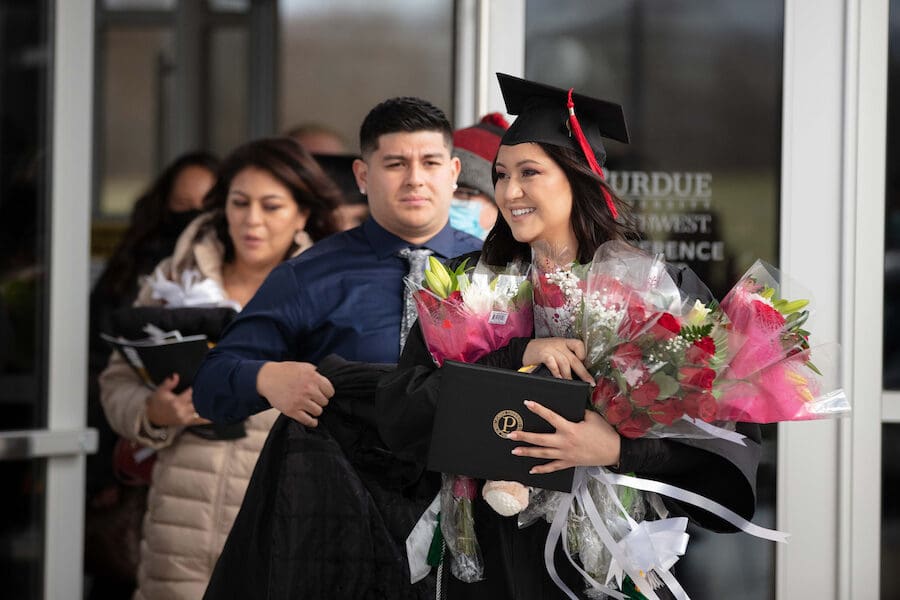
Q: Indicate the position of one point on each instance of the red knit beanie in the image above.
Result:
(476, 148)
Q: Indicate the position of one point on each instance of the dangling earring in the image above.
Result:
(362, 191)
(300, 237)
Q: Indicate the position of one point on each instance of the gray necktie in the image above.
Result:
(417, 258)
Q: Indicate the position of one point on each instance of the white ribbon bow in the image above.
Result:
(651, 548)
(194, 290)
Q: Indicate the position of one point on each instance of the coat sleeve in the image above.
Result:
(124, 399)
(124, 396)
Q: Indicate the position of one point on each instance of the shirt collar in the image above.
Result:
(385, 243)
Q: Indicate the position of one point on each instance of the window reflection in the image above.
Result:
(890, 515)
(23, 223)
(700, 83)
(25, 50)
(892, 210)
(316, 35)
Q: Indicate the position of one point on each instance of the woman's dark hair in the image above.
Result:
(151, 219)
(591, 220)
(295, 168)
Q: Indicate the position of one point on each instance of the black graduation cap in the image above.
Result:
(340, 168)
(543, 116)
(562, 118)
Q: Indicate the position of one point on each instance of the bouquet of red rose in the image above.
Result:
(464, 315)
(664, 360)
(655, 352)
(773, 373)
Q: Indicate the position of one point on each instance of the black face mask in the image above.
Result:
(175, 222)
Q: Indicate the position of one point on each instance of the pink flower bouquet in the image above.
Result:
(774, 374)
(464, 316)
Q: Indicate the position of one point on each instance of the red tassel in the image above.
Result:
(575, 128)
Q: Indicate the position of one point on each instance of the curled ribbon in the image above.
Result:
(650, 549)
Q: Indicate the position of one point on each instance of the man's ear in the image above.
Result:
(361, 172)
(456, 165)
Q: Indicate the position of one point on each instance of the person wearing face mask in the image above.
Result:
(271, 202)
(473, 209)
(160, 214)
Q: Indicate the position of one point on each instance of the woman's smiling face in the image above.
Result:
(534, 196)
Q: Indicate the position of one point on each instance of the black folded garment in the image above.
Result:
(326, 513)
(211, 321)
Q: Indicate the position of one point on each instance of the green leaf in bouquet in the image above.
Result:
(720, 338)
(631, 590)
(524, 293)
(692, 333)
(796, 320)
(813, 368)
(436, 549)
(668, 385)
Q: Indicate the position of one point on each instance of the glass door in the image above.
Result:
(44, 210)
(778, 108)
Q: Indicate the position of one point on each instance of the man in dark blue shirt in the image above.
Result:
(345, 295)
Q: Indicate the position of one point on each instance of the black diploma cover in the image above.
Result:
(477, 406)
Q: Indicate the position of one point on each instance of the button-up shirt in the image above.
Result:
(342, 296)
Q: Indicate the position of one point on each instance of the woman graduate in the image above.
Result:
(550, 190)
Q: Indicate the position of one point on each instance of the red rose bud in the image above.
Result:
(635, 427)
(701, 351)
(428, 301)
(549, 294)
(666, 327)
(617, 410)
(700, 405)
(626, 355)
(701, 377)
(464, 487)
(666, 412)
(645, 395)
(767, 317)
(603, 391)
(634, 321)
(707, 407)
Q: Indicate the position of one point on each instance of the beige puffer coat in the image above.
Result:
(198, 484)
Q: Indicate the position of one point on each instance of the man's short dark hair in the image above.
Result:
(404, 114)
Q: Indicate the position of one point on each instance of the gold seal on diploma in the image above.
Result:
(507, 421)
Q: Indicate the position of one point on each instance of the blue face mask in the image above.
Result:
(465, 215)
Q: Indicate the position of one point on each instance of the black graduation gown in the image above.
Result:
(513, 557)
(325, 515)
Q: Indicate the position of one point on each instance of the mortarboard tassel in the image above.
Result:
(575, 127)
